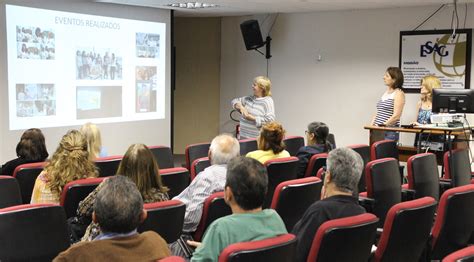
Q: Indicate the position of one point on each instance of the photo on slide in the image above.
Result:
(98, 64)
(148, 45)
(145, 89)
(98, 101)
(35, 100)
(35, 43)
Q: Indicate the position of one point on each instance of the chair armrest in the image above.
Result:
(367, 203)
(408, 194)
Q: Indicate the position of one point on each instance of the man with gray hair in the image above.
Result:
(212, 179)
(344, 167)
(118, 209)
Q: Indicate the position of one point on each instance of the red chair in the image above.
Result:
(293, 144)
(214, 207)
(279, 170)
(383, 149)
(423, 176)
(163, 155)
(176, 179)
(195, 151)
(364, 152)
(293, 197)
(276, 249)
(406, 231)
(383, 187)
(172, 259)
(108, 166)
(457, 169)
(26, 175)
(199, 165)
(165, 218)
(344, 239)
(32, 232)
(454, 222)
(247, 145)
(316, 162)
(9, 192)
(76, 191)
(463, 255)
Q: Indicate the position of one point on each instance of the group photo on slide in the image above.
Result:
(261, 130)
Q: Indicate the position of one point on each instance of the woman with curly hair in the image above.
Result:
(270, 143)
(30, 149)
(70, 162)
(140, 166)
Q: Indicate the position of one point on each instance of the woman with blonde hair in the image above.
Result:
(270, 143)
(140, 166)
(70, 162)
(256, 109)
(423, 107)
(94, 141)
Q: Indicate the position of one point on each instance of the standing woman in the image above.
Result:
(256, 109)
(390, 106)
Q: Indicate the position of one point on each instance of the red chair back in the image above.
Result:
(176, 179)
(214, 207)
(247, 145)
(458, 167)
(316, 162)
(108, 166)
(463, 255)
(195, 151)
(423, 176)
(364, 152)
(384, 149)
(276, 249)
(9, 192)
(32, 232)
(163, 155)
(293, 197)
(199, 165)
(279, 170)
(76, 191)
(26, 175)
(165, 218)
(293, 144)
(344, 239)
(406, 230)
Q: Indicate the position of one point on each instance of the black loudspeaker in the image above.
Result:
(252, 35)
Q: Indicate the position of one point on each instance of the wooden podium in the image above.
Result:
(460, 140)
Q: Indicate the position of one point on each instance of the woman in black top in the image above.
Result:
(30, 149)
(316, 135)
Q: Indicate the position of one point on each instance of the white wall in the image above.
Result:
(343, 88)
(116, 137)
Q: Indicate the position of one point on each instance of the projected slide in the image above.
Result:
(68, 68)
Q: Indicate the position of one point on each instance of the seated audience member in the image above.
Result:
(316, 135)
(140, 166)
(270, 143)
(344, 167)
(245, 190)
(30, 149)
(94, 141)
(118, 210)
(212, 179)
(70, 162)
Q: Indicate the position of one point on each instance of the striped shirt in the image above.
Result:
(385, 107)
(209, 181)
(261, 108)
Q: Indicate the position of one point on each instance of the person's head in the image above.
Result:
(271, 137)
(118, 207)
(344, 168)
(246, 183)
(262, 86)
(223, 148)
(393, 77)
(94, 141)
(32, 145)
(139, 164)
(428, 83)
(69, 162)
(317, 133)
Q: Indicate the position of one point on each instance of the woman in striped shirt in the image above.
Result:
(390, 106)
(257, 109)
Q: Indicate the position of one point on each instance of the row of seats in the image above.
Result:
(407, 230)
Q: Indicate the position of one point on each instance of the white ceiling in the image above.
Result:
(249, 7)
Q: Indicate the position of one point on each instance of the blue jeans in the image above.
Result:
(392, 135)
